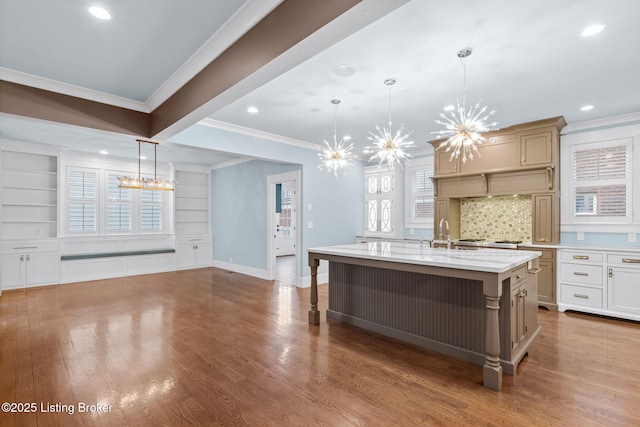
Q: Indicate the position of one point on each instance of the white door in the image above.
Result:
(286, 220)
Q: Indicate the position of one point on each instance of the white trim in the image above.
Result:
(231, 163)
(258, 134)
(242, 269)
(71, 90)
(608, 122)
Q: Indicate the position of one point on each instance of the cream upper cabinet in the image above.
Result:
(443, 164)
(537, 148)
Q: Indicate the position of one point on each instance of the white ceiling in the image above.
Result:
(529, 62)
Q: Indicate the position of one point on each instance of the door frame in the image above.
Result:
(272, 180)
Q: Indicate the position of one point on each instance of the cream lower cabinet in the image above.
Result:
(600, 282)
(194, 251)
(546, 277)
(29, 264)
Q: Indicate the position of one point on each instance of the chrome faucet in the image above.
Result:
(445, 222)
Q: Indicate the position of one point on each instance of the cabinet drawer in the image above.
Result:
(518, 275)
(579, 295)
(580, 256)
(581, 273)
(630, 260)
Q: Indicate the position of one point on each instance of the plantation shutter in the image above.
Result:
(601, 177)
(82, 188)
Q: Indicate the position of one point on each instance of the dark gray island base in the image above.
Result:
(439, 299)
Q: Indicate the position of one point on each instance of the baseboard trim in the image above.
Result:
(242, 269)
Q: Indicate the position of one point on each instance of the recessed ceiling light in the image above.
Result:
(344, 70)
(252, 110)
(104, 152)
(99, 12)
(449, 108)
(586, 108)
(592, 29)
(346, 138)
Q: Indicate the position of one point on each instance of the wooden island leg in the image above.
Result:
(492, 370)
(314, 314)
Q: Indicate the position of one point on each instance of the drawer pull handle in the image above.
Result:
(581, 257)
(579, 273)
(631, 260)
(26, 247)
(535, 271)
(581, 296)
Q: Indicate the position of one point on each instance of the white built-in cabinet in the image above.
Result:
(194, 243)
(605, 282)
(29, 263)
(29, 195)
(194, 251)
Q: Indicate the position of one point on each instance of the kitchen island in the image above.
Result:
(479, 306)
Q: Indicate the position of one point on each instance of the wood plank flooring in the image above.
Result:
(210, 347)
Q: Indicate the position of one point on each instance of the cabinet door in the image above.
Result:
(185, 255)
(547, 282)
(204, 255)
(536, 148)
(42, 268)
(448, 209)
(543, 218)
(443, 165)
(624, 289)
(13, 271)
(518, 333)
(531, 303)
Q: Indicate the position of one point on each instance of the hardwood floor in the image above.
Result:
(210, 347)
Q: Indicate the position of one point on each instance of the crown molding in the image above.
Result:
(258, 134)
(71, 90)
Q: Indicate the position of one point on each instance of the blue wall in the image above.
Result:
(618, 240)
(238, 211)
(337, 208)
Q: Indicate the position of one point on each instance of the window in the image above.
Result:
(151, 210)
(82, 214)
(601, 181)
(381, 206)
(118, 206)
(419, 200)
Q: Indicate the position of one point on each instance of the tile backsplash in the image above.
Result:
(496, 218)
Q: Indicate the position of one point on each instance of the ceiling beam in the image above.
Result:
(42, 104)
(287, 25)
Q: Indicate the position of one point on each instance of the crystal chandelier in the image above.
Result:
(146, 183)
(464, 127)
(390, 148)
(339, 156)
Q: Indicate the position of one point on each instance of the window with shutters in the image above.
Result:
(82, 206)
(419, 199)
(118, 206)
(601, 182)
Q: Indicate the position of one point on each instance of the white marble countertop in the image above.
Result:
(487, 260)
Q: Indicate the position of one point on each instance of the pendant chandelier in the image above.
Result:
(463, 127)
(146, 183)
(339, 156)
(390, 148)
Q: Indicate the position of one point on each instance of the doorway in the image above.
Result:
(283, 226)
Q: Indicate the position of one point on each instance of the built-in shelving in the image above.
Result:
(192, 202)
(29, 195)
